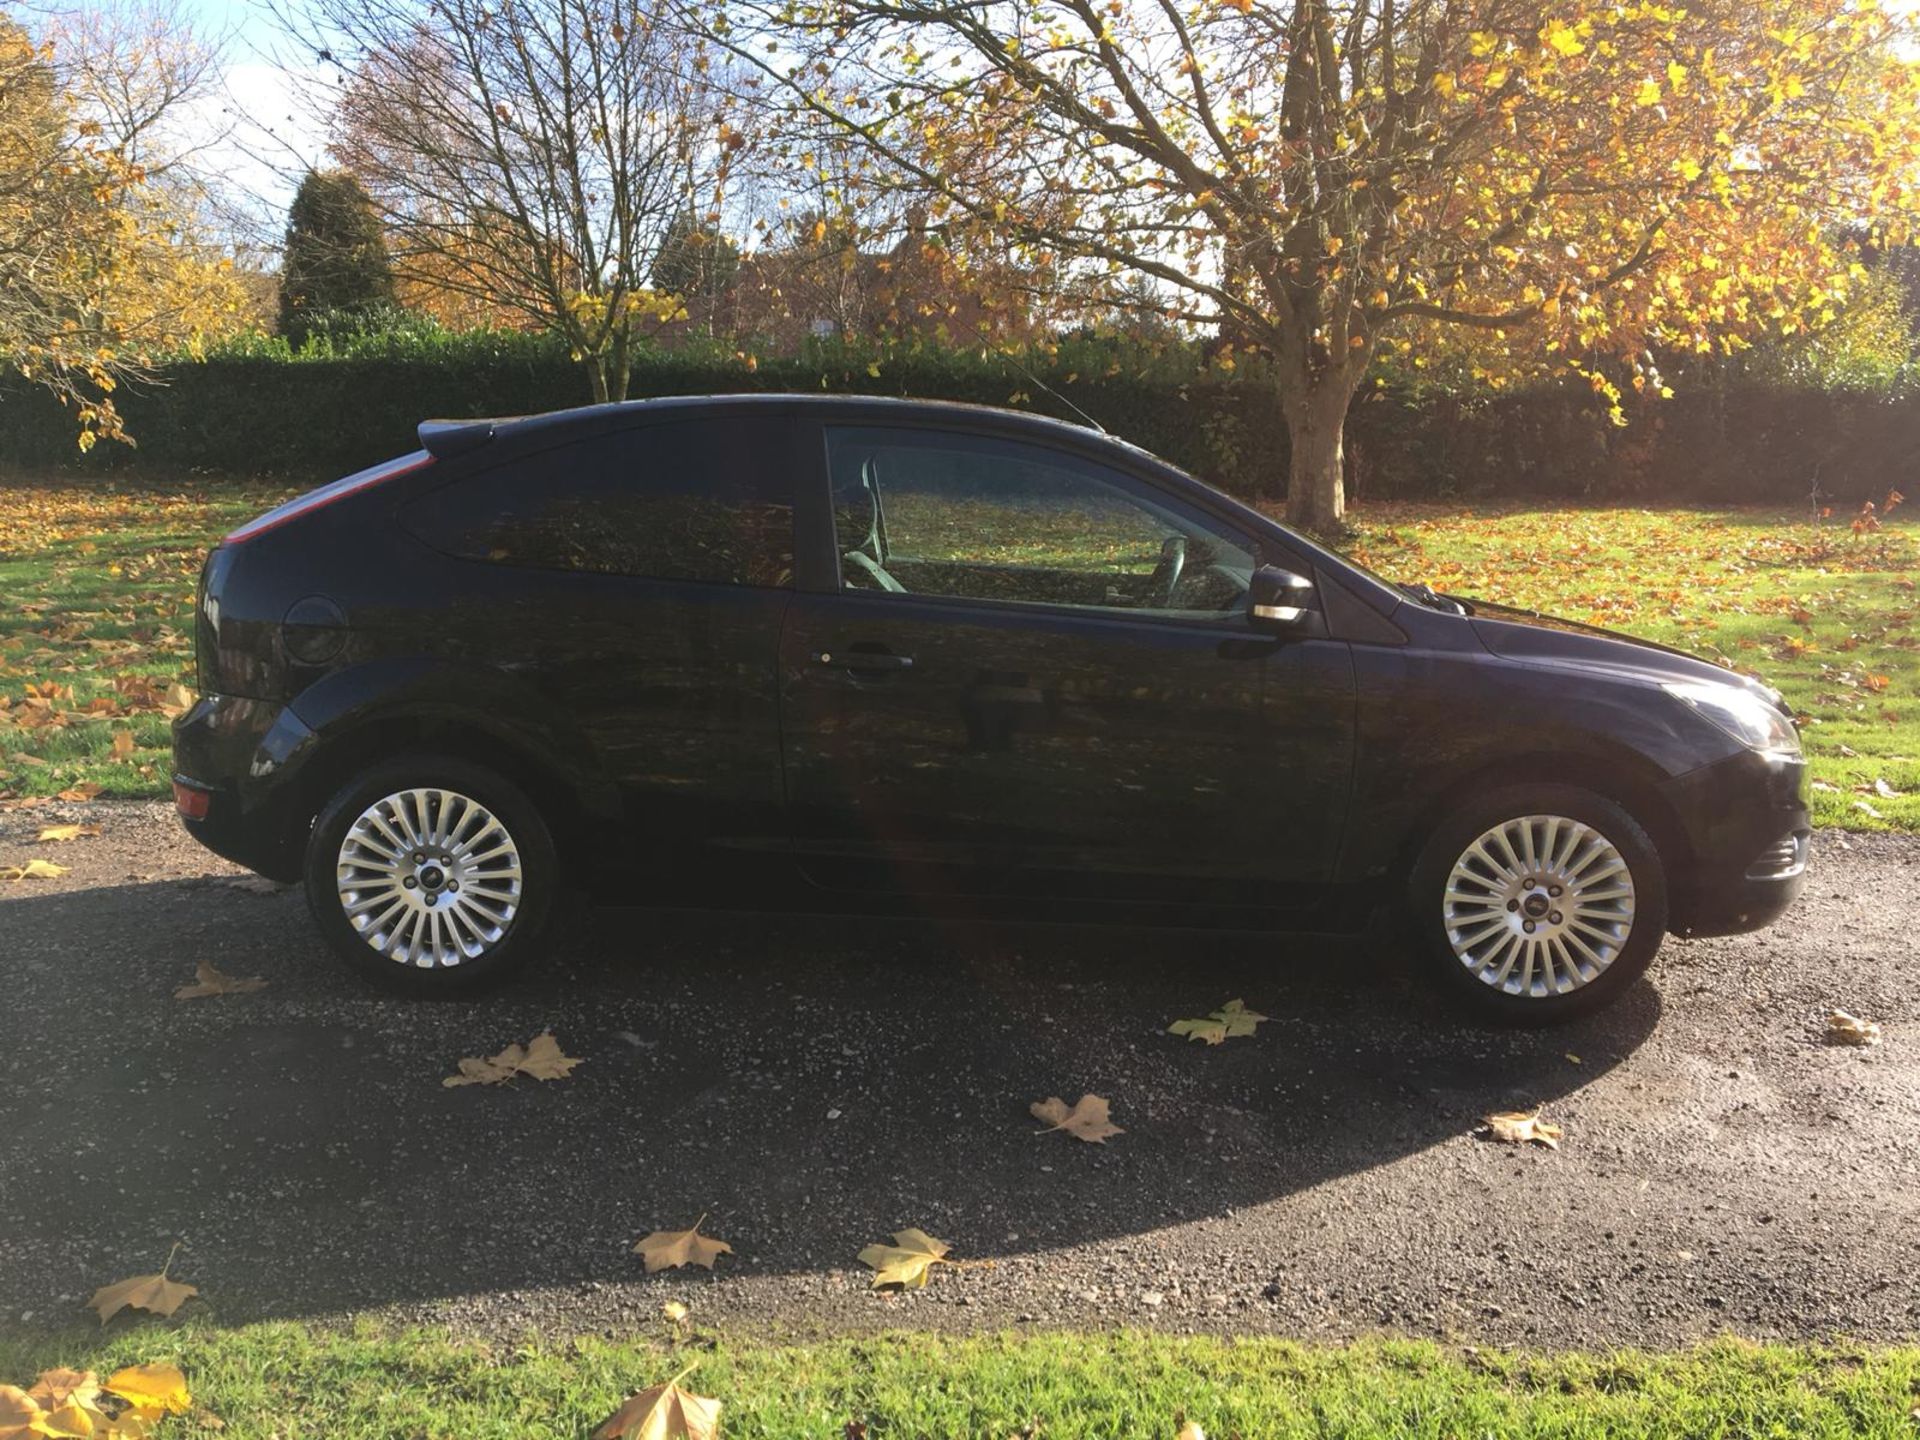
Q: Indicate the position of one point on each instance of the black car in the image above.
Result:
(857, 653)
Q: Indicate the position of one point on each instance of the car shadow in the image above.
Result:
(809, 1084)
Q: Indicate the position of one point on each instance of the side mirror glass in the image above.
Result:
(1279, 599)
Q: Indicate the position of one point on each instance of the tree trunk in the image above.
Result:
(1316, 414)
(597, 377)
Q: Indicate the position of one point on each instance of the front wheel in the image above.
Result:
(431, 876)
(1537, 903)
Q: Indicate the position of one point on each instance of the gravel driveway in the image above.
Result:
(811, 1085)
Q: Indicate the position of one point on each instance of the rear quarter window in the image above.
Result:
(678, 500)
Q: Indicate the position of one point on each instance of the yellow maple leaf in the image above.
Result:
(1562, 37)
(540, 1057)
(1648, 93)
(62, 833)
(905, 1262)
(34, 870)
(155, 1293)
(55, 1388)
(211, 981)
(19, 1414)
(1231, 1021)
(670, 1249)
(662, 1413)
(1518, 1127)
(153, 1390)
(1087, 1120)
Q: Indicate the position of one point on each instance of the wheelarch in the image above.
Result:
(1629, 784)
(338, 758)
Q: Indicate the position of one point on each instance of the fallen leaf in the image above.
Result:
(210, 981)
(34, 870)
(1886, 791)
(144, 1292)
(670, 1249)
(1229, 1022)
(662, 1413)
(540, 1058)
(152, 1390)
(85, 790)
(1190, 1431)
(1517, 1127)
(19, 1415)
(905, 1262)
(123, 744)
(1864, 808)
(67, 832)
(56, 1388)
(1845, 1029)
(674, 1312)
(1085, 1121)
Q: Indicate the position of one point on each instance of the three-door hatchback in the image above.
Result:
(857, 653)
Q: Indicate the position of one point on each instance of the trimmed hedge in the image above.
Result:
(255, 409)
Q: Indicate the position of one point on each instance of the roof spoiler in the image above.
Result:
(444, 439)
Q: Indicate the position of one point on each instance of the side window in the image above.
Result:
(930, 513)
(680, 500)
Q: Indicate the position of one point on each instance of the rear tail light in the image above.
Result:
(319, 499)
(190, 800)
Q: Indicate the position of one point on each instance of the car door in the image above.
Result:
(635, 579)
(1028, 671)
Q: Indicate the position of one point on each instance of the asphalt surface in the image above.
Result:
(812, 1085)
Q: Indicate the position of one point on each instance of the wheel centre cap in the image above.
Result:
(432, 877)
(1535, 905)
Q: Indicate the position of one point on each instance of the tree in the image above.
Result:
(1574, 182)
(335, 265)
(536, 152)
(101, 270)
(695, 260)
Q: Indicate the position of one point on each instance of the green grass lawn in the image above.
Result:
(100, 578)
(1824, 614)
(289, 1382)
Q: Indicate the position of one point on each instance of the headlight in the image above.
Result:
(1742, 714)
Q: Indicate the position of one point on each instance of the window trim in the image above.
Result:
(1256, 544)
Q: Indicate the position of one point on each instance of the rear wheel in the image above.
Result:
(1537, 903)
(431, 876)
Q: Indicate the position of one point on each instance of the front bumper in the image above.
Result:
(235, 752)
(1748, 835)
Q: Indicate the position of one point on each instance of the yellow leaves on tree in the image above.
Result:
(155, 1293)
(663, 1413)
(76, 1405)
(1230, 1022)
(208, 980)
(540, 1058)
(670, 1249)
(1087, 1120)
(907, 1261)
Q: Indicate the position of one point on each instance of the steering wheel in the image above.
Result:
(1166, 575)
(872, 568)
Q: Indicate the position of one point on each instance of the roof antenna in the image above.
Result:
(1006, 356)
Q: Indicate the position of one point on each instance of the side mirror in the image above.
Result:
(1279, 599)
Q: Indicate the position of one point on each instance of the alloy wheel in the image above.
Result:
(429, 877)
(1539, 906)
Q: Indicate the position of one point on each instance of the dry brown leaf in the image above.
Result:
(56, 1388)
(1085, 1121)
(905, 1262)
(19, 1415)
(85, 790)
(210, 981)
(67, 832)
(1518, 1127)
(540, 1058)
(143, 1292)
(1231, 1021)
(670, 1249)
(123, 744)
(1845, 1029)
(662, 1413)
(34, 870)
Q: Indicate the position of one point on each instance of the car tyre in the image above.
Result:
(1502, 856)
(385, 865)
